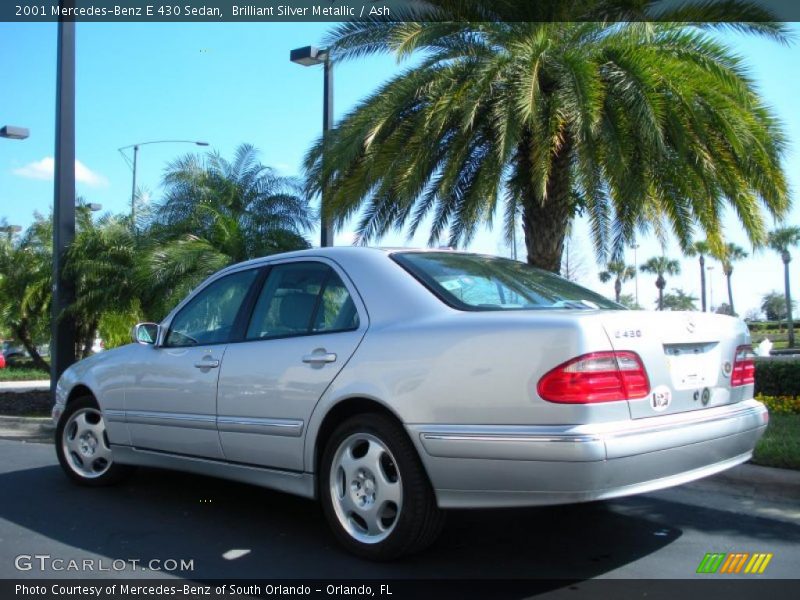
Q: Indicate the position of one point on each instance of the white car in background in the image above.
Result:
(393, 384)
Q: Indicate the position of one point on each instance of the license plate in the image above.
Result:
(692, 366)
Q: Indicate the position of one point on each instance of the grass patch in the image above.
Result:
(22, 374)
(780, 446)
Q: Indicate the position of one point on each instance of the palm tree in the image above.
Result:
(661, 265)
(25, 286)
(732, 254)
(217, 212)
(621, 273)
(25, 281)
(110, 279)
(781, 240)
(632, 123)
(701, 249)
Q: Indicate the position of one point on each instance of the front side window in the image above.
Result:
(476, 282)
(209, 317)
(300, 299)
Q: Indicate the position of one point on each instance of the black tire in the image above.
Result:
(106, 474)
(417, 522)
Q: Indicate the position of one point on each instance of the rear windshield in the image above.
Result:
(476, 282)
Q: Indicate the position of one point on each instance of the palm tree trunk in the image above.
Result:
(24, 336)
(618, 288)
(661, 283)
(703, 281)
(545, 220)
(730, 293)
(789, 320)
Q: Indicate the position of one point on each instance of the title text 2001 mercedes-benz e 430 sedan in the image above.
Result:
(392, 384)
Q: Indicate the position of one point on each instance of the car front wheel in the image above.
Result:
(374, 490)
(82, 445)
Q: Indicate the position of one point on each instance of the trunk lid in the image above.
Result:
(688, 356)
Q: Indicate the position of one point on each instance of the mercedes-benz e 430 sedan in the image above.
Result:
(392, 384)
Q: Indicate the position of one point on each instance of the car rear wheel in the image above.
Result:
(374, 490)
(82, 445)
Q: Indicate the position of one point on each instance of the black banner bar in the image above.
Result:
(618, 589)
(145, 11)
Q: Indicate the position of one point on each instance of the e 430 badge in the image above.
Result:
(628, 333)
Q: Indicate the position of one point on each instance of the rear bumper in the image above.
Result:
(484, 466)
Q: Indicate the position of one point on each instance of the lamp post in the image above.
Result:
(134, 163)
(62, 345)
(89, 206)
(635, 247)
(308, 56)
(10, 230)
(710, 289)
(14, 133)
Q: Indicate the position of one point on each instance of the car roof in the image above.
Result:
(337, 251)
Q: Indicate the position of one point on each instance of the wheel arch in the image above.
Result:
(79, 390)
(339, 412)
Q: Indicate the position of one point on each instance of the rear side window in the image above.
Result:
(300, 299)
(476, 282)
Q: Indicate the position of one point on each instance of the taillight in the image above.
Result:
(744, 367)
(596, 377)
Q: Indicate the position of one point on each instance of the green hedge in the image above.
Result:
(778, 377)
(762, 326)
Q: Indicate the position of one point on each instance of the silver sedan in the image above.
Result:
(393, 384)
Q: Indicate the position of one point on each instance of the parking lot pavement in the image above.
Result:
(238, 531)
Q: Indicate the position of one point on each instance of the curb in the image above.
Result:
(30, 429)
(24, 386)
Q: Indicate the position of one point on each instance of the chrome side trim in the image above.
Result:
(166, 419)
(281, 427)
(301, 484)
(509, 443)
(118, 416)
(515, 438)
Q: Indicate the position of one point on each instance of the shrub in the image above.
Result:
(781, 405)
(778, 377)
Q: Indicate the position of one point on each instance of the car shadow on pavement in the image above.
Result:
(160, 514)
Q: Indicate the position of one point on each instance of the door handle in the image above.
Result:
(318, 358)
(207, 364)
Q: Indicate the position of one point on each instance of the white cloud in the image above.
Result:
(44, 169)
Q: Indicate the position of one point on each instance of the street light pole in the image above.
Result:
(62, 353)
(308, 56)
(135, 162)
(710, 289)
(133, 188)
(635, 247)
(326, 231)
(10, 230)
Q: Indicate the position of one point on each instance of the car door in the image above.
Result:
(170, 400)
(305, 325)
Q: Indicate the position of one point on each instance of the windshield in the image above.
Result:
(476, 282)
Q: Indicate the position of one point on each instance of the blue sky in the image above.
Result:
(228, 83)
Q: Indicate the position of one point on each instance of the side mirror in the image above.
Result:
(145, 333)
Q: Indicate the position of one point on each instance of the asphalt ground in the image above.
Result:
(232, 530)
